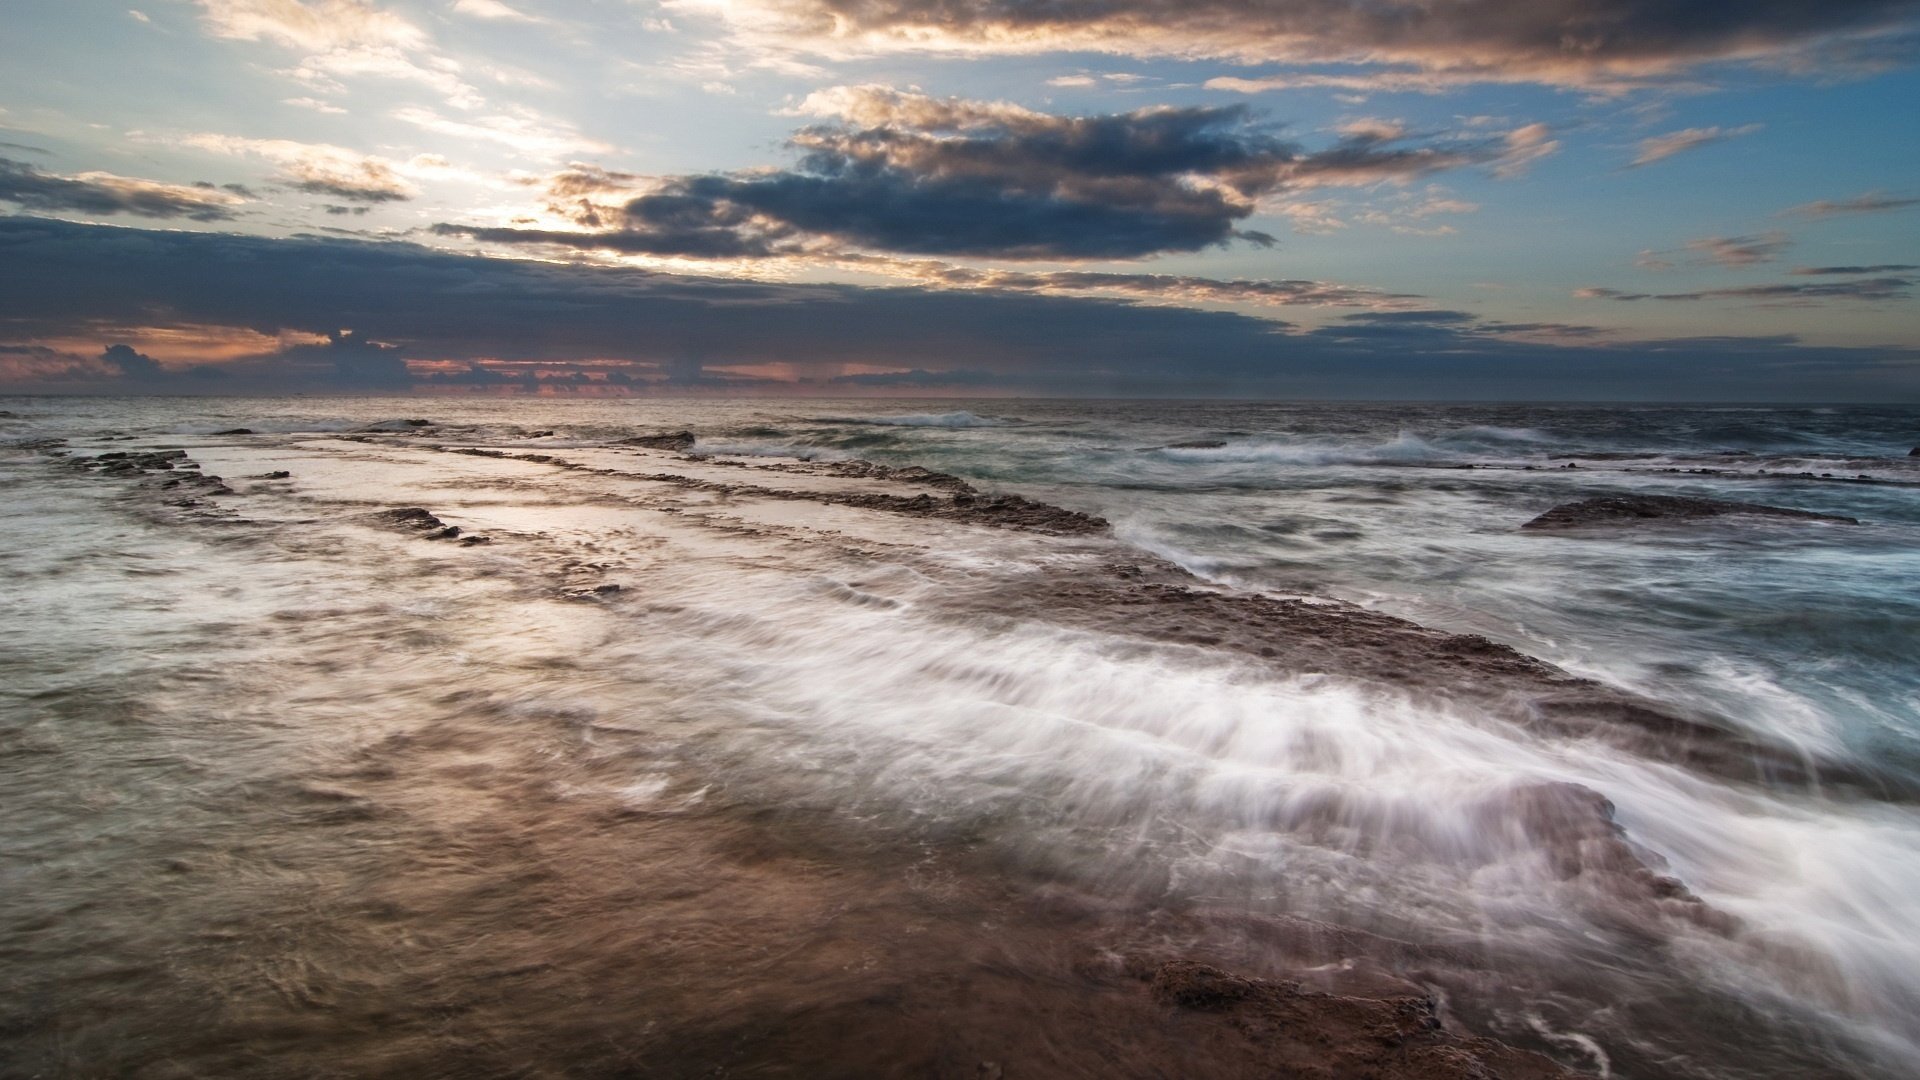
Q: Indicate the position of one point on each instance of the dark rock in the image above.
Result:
(470, 541)
(1915, 452)
(1191, 985)
(277, 474)
(235, 431)
(1196, 444)
(408, 518)
(447, 533)
(673, 440)
(1638, 509)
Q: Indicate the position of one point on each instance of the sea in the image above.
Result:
(287, 795)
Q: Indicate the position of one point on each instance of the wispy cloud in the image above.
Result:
(318, 168)
(342, 39)
(521, 131)
(494, 10)
(1879, 288)
(1873, 202)
(1883, 268)
(1741, 250)
(1182, 288)
(1662, 147)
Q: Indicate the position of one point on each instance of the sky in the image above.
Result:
(1355, 199)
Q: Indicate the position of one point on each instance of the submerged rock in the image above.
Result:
(1638, 509)
(673, 440)
(1196, 444)
(236, 431)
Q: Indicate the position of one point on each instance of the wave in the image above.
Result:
(961, 419)
(1407, 448)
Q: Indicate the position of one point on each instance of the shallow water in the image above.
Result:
(289, 794)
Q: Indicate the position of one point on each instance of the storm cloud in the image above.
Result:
(903, 172)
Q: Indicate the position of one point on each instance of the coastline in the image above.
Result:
(929, 948)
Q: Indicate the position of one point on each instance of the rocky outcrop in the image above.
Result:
(1616, 510)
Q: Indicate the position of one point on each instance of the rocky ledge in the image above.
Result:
(1613, 510)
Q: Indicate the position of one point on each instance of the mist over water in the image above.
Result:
(308, 784)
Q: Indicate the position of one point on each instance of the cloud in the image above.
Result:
(493, 10)
(131, 364)
(104, 193)
(1590, 43)
(457, 313)
(1741, 250)
(524, 132)
(317, 25)
(341, 39)
(1884, 268)
(1661, 147)
(1873, 202)
(1879, 288)
(903, 172)
(1181, 288)
(316, 105)
(318, 168)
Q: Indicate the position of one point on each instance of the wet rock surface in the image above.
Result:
(1299, 1032)
(1619, 510)
(856, 988)
(1163, 602)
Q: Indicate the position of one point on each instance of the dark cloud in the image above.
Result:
(1426, 316)
(1880, 288)
(376, 185)
(104, 193)
(901, 172)
(1563, 42)
(413, 309)
(132, 364)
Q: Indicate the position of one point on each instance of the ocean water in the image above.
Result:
(286, 791)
